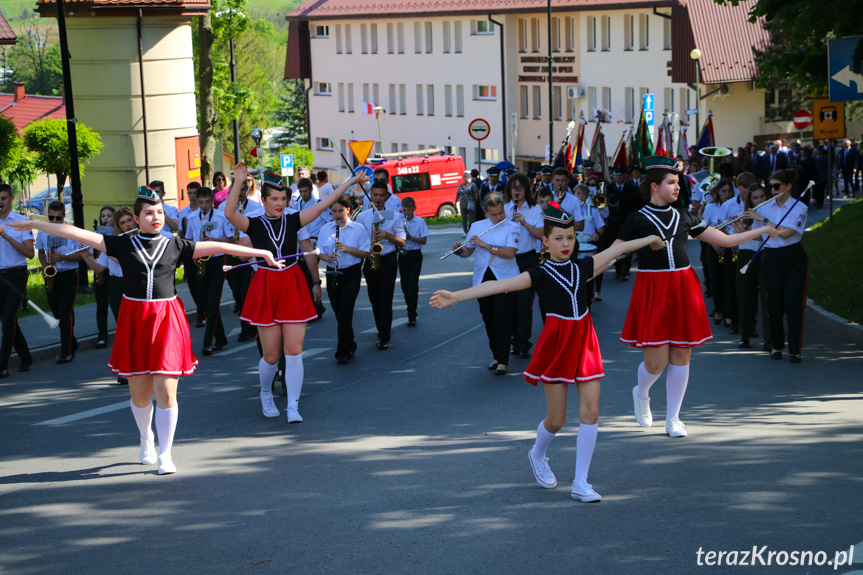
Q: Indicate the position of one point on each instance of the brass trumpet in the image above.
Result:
(600, 200)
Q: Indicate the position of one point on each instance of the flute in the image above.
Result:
(466, 242)
(297, 255)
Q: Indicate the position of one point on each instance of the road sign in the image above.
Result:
(829, 119)
(648, 108)
(362, 149)
(287, 172)
(802, 119)
(479, 129)
(287, 161)
(692, 111)
(845, 85)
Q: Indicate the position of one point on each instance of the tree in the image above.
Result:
(35, 59)
(206, 108)
(49, 141)
(22, 170)
(9, 144)
(291, 116)
(302, 157)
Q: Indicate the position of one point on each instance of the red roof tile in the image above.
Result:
(7, 35)
(125, 3)
(332, 9)
(31, 108)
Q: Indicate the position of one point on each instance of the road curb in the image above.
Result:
(850, 330)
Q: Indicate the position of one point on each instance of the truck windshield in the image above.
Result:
(411, 183)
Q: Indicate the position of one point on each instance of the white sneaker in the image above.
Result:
(294, 415)
(148, 452)
(642, 409)
(268, 406)
(166, 465)
(583, 491)
(541, 470)
(675, 428)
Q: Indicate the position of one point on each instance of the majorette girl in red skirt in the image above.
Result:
(567, 351)
(666, 316)
(151, 345)
(278, 301)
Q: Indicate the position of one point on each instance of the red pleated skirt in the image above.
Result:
(567, 351)
(666, 308)
(278, 297)
(152, 338)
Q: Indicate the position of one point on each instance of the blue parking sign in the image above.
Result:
(648, 108)
(648, 116)
(287, 161)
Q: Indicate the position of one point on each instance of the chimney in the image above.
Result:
(19, 90)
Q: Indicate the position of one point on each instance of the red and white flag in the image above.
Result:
(368, 108)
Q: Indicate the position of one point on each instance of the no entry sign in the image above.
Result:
(802, 120)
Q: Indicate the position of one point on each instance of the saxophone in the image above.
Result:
(201, 263)
(377, 248)
(50, 271)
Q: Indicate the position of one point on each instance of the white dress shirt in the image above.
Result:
(417, 228)
(44, 241)
(9, 256)
(353, 235)
(533, 216)
(503, 236)
(393, 223)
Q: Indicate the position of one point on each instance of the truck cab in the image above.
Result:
(430, 177)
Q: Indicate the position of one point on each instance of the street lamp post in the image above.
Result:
(377, 111)
(238, 158)
(696, 55)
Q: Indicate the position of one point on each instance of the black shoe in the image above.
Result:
(200, 323)
(625, 278)
(122, 381)
(412, 323)
(499, 370)
(352, 354)
(74, 345)
(734, 329)
(743, 345)
(243, 337)
(717, 321)
(101, 344)
(25, 366)
(766, 346)
(208, 351)
(493, 364)
(4, 373)
(776, 354)
(383, 345)
(66, 358)
(597, 298)
(794, 358)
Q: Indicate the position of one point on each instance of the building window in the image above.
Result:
(393, 104)
(535, 35)
(404, 147)
(322, 31)
(629, 112)
(350, 98)
(555, 34)
(685, 104)
(669, 101)
(666, 34)
(572, 96)
(524, 104)
(643, 32)
(403, 99)
(366, 93)
(642, 92)
(462, 151)
(364, 39)
(341, 97)
(373, 31)
(558, 103)
(394, 148)
(324, 143)
(429, 37)
(591, 33)
(376, 94)
(446, 37)
(418, 38)
(459, 101)
(537, 103)
(606, 33)
(324, 89)
(447, 100)
(400, 29)
(591, 102)
(484, 92)
(487, 155)
(338, 38)
(457, 34)
(628, 32)
(570, 33)
(348, 49)
(606, 100)
(522, 35)
(391, 43)
(419, 99)
(478, 27)
(430, 99)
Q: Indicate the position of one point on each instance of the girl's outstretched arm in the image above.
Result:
(443, 298)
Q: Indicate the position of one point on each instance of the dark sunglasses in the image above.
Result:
(55, 218)
(776, 186)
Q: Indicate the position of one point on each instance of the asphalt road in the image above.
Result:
(414, 460)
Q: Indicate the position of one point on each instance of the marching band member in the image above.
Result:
(172, 214)
(344, 252)
(152, 345)
(750, 286)
(63, 286)
(495, 260)
(393, 201)
(278, 301)
(381, 276)
(666, 316)
(521, 209)
(190, 272)
(100, 281)
(567, 351)
(16, 247)
(594, 228)
(210, 225)
(567, 200)
(490, 187)
(411, 258)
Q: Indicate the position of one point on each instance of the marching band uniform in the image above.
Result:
(210, 284)
(13, 267)
(343, 289)
(240, 279)
(382, 282)
(525, 258)
(61, 290)
(410, 263)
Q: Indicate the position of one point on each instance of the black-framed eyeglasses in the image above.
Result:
(55, 218)
(776, 185)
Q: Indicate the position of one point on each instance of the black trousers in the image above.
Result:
(410, 268)
(319, 306)
(523, 324)
(343, 297)
(705, 266)
(190, 272)
(498, 312)
(115, 294)
(751, 293)
(382, 286)
(61, 300)
(785, 273)
(9, 302)
(730, 269)
(210, 295)
(100, 291)
(717, 280)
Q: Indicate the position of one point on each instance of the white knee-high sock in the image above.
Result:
(584, 444)
(675, 387)
(543, 439)
(144, 419)
(294, 374)
(645, 380)
(166, 424)
(267, 373)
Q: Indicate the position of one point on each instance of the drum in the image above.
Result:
(586, 249)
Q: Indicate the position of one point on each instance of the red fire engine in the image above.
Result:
(430, 177)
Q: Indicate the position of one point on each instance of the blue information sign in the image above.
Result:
(845, 84)
(287, 161)
(648, 108)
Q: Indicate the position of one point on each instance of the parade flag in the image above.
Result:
(368, 108)
(620, 160)
(682, 145)
(598, 155)
(706, 138)
(641, 142)
(579, 142)
(669, 138)
(660, 141)
(254, 152)
(631, 158)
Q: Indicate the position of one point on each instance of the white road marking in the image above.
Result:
(396, 323)
(88, 413)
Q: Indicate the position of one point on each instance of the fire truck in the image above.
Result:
(431, 177)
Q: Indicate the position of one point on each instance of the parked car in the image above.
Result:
(38, 203)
